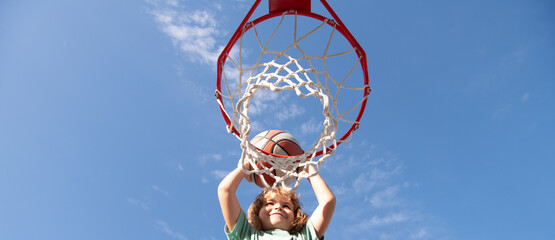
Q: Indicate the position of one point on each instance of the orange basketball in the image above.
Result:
(276, 142)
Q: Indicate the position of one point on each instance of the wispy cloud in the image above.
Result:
(366, 181)
(290, 111)
(219, 174)
(273, 109)
(194, 32)
(389, 219)
(311, 126)
(343, 163)
(421, 233)
(200, 36)
(204, 180)
(508, 107)
(164, 227)
(263, 101)
(158, 189)
(376, 222)
(383, 212)
(138, 203)
(210, 157)
(524, 97)
(385, 198)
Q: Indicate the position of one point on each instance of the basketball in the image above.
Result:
(276, 142)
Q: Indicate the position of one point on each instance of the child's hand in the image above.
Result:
(248, 177)
(311, 170)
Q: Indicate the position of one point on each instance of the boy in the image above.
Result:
(275, 214)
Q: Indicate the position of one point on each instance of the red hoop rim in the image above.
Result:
(245, 25)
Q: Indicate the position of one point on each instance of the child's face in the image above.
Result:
(277, 213)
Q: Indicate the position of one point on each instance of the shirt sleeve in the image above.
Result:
(308, 231)
(242, 228)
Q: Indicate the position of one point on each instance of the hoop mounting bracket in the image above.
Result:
(284, 5)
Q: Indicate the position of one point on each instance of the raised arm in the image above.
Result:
(228, 200)
(321, 216)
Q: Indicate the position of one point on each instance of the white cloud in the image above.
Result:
(420, 234)
(268, 108)
(524, 97)
(219, 174)
(340, 190)
(374, 207)
(138, 203)
(385, 198)
(204, 180)
(365, 182)
(158, 189)
(288, 111)
(262, 102)
(504, 111)
(210, 157)
(218, 6)
(193, 32)
(173, 3)
(311, 126)
(389, 219)
(164, 227)
(377, 221)
(257, 127)
(361, 184)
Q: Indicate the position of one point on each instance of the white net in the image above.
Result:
(297, 65)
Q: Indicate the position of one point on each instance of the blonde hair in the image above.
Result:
(300, 217)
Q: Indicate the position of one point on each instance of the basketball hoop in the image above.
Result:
(292, 68)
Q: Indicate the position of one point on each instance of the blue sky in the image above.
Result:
(109, 128)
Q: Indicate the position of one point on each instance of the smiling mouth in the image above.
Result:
(279, 214)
